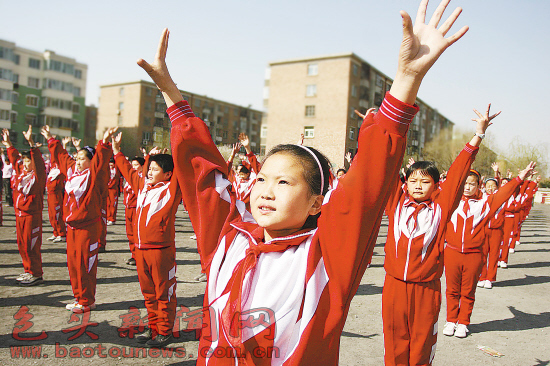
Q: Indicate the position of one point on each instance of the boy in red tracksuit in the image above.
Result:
(154, 233)
(418, 213)
(112, 192)
(493, 240)
(518, 216)
(465, 238)
(86, 183)
(130, 203)
(55, 186)
(245, 178)
(511, 208)
(29, 181)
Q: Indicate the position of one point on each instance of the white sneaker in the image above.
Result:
(194, 237)
(503, 265)
(461, 331)
(512, 250)
(79, 309)
(52, 237)
(449, 329)
(71, 305)
(58, 239)
(480, 283)
(23, 276)
(518, 243)
(488, 284)
(109, 223)
(499, 263)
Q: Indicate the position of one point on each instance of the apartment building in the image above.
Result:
(38, 88)
(317, 97)
(138, 109)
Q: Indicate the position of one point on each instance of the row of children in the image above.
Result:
(302, 252)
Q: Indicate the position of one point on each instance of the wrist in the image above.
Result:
(405, 86)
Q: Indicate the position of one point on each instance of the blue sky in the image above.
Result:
(222, 48)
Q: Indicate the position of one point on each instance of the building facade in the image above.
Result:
(139, 110)
(39, 88)
(317, 97)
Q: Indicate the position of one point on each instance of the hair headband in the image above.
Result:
(91, 150)
(493, 179)
(476, 173)
(318, 164)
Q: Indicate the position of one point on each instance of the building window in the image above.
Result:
(34, 63)
(16, 59)
(15, 78)
(148, 92)
(32, 100)
(197, 103)
(312, 69)
(121, 92)
(311, 90)
(76, 108)
(6, 95)
(310, 111)
(14, 97)
(33, 82)
(147, 121)
(4, 115)
(354, 91)
(76, 91)
(6, 74)
(75, 125)
(30, 119)
(355, 69)
(351, 133)
(263, 133)
(78, 73)
(148, 106)
(309, 132)
(119, 121)
(13, 117)
(120, 106)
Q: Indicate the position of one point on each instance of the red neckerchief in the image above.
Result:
(418, 206)
(467, 199)
(232, 311)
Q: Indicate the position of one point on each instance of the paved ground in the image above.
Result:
(512, 318)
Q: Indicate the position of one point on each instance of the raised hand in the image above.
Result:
(348, 157)
(6, 138)
(115, 141)
(45, 131)
(363, 116)
(484, 121)
(76, 142)
(158, 71)
(37, 144)
(109, 133)
(65, 140)
(143, 151)
(420, 48)
(245, 141)
(155, 150)
(494, 166)
(529, 169)
(411, 162)
(28, 136)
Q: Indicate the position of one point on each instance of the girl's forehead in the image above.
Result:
(420, 174)
(281, 162)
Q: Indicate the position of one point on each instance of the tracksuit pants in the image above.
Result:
(493, 244)
(130, 213)
(55, 213)
(112, 203)
(29, 242)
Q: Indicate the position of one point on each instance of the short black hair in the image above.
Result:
(112, 160)
(26, 154)
(425, 168)
(164, 161)
(244, 169)
(139, 159)
(89, 151)
(341, 170)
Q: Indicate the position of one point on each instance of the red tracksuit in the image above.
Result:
(130, 202)
(28, 202)
(301, 285)
(243, 188)
(493, 241)
(510, 209)
(464, 250)
(112, 194)
(82, 209)
(55, 186)
(155, 248)
(411, 297)
(530, 196)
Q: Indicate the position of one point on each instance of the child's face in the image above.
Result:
(27, 164)
(420, 187)
(156, 174)
(111, 165)
(244, 176)
(82, 161)
(137, 166)
(490, 186)
(340, 174)
(281, 199)
(471, 186)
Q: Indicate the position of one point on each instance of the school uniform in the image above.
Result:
(511, 208)
(82, 209)
(301, 285)
(493, 242)
(464, 250)
(28, 202)
(155, 248)
(55, 185)
(130, 202)
(411, 297)
(112, 193)
(243, 187)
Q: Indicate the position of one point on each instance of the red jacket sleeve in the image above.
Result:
(131, 175)
(59, 154)
(351, 214)
(202, 176)
(254, 163)
(502, 195)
